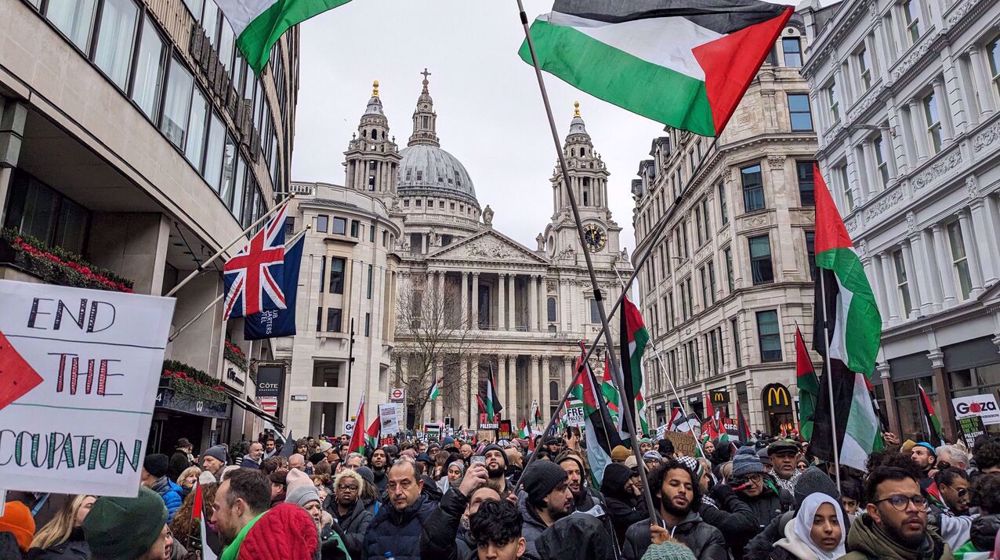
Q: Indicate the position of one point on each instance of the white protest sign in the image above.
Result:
(388, 418)
(574, 416)
(984, 406)
(349, 427)
(78, 376)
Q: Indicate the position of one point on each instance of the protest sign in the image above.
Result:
(983, 406)
(78, 376)
(433, 431)
(574, 416)
(684, 444)
(971, 427)
(349, 427)
(487, 423)
(506, 430)
(389, 417)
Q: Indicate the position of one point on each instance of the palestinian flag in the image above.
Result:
(742, 425)
(634, 338)
(259, 24)
(435, 391)
(678, 423)
(845, 310)
(711, 425)
(640, 408)
(358, 441)
(934, 495)
(609, 391)
(480, 403)
(808, 384)
(684, 63)
(372, 433)
(523, 431)
(492, 400)
(197, 513)
(931, 421)
(599, 431)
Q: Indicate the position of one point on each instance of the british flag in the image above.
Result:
(254, 276)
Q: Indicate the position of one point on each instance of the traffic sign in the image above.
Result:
(397, 394)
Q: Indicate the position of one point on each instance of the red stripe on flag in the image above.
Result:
(830, 230)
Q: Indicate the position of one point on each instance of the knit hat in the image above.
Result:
(316, 458)
(746, 462)
(156, 464)
(631, 462)
(928, 446)
(206, 478)
(620, 453)
(216, 451)
(811, 481)
(495, 447)
(668, 551)
(447, 442)
(367, 474)
(570, 455)
(780, 446)
(541, 478)
(763, 456)
(17, 520)
(125, 528)
(300, 488)
(285, 531)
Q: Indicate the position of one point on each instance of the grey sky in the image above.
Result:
(490, 113)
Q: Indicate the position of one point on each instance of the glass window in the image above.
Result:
(728, 253)
(711, 281)
(792, 49)
(902, 283)
(228, 168)
(322, 273)
(195, 7)
(933, 122)
(226, 43)
(811, 253)
(339, 226)
(723, 207)
(798, 112)
(337, 266)
(753, 188)
(355, 228)
(333, 316)
(371, 280)
(210, 22)
(911, 17)
(845, 187)
(881, 162)
(37, 210)
(831, 100)
(75, 18)
(550, 309)
(959, 258)
(908, 408)
(177, 104)
(116, 38)
(705, 298)
(769, 336)
(734, 329)
(807, 194)
(236, 207)
(595, 313)
(322, 223)
(368, 324)
(196, 130)
(149, 70)
(214, 153)
(864, 67)
(227, 198)
(760, 260)
(993, 53)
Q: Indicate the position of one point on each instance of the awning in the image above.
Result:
(252, 408)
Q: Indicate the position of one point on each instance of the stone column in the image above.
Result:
(512, 302)
(959, 108)
(502, 384)
(986, 236)
(543, 296)
(544, 389)
(972, 257)
(871, 169)
(568, 373)
(533, 380)
(944, 112)
(899, 150)
(885, 378)
(930, 265)
(512, 386)
(475, 301)
(463, 418)
(465, 300)
(911, 277)
(501, 302)
(562, 310)
(918, 256)
(919, 126)
(945, 264)
(440, 290)
(942, 401)
(884, 294)
(532, 303)
(981, 77)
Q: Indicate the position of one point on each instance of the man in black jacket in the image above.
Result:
(379, 464)
(349, 510)
(446, 535)
(397, 526)
(678, 498)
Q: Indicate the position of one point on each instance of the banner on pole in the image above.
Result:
(389, 414)
(983, 406)
(78, 376)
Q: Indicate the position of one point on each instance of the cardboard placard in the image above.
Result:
(971, 427)
(684, 443)
(78, 376)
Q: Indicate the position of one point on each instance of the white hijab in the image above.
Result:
(797, 532)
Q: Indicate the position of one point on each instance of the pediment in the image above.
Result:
(488, 246)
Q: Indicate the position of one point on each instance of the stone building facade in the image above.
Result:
(909, 113)
(731, 278)
(133, 135)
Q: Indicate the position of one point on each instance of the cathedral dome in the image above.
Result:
(429, 168)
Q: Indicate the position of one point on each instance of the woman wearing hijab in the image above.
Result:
(454, 474)
(816, 533)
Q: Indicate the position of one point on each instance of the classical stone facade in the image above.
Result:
(133, 135)
(730, 278)
(469, 300)
(908, 102)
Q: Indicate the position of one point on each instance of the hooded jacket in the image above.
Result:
(354, 526)
(865, 541)
(623, 507)
(575, 537)
(532, 528)
(732, 517)
(705, 541)
(171, 493)
(397, 531)
(442, 537)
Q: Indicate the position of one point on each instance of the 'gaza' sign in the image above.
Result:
(78, 376)
(984, 406)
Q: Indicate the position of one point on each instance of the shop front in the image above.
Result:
(777, 405)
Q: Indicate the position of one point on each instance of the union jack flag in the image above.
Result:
(254, 276)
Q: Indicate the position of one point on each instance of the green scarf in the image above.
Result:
(234, 547)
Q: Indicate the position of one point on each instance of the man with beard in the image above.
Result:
(678, 498)
(585, 500)
(349, 510)
(545, 500)
(240, 501)
(951, 519)
(379, 461)
(894, 524)
(924, 456)
(496, 468)
(445, 535)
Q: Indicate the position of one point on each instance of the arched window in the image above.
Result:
(554, 393)
(551, 307)
(374, 134)
(583, 152)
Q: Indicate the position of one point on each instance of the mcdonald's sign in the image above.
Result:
(719, 396)
(776, 398)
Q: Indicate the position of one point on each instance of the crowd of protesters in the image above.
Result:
(312, 498)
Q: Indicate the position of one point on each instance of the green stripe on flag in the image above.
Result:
(863, 321)
(264, 31)
(655, 92)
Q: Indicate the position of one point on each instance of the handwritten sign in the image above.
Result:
(78, 377)
(684, 444)
(574, 416)
(389, 415)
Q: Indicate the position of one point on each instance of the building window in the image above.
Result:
(707, 223)
(845, 187)
(339, 226)
(711, 281)
(753, 188)
(698, 225)
(703, 276)
(864, 67)
(760, 260)
(911, 17)
(728, 253)
(831, 100)
(355, 227)
(214, 151)
(368, 324)
(807, 194)
(668, 309)
(550, 307)
(322, 274)
(371, 280)
(228, 168)
(687, 300)
(195, 148)
(768, 336)
(371, 233)
(993, 54)
(333, 316)
(337, 266)
(959, 259)
(902, 283)
(595, 312)
(177, 104)
(723, 208)
(933, 121)
(149, 69)
(319, 319)
(74, 19)
(791, 47)
(881, 162)
(737, 354)
(798, 112)
(811, 253)
(35, 209)
(322, 223)
(115, 39)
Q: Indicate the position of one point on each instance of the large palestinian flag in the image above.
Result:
(599, 430)
(808, 384)
(845, 311)
(684, 63)
(634, 338)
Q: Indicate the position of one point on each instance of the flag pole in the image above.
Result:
(203, 266)
(598, 298)
(829, 380)
(659, 362)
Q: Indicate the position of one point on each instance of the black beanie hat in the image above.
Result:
(541, 478)
(495, 447)
(156, 464)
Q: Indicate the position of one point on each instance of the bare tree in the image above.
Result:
(431, 329)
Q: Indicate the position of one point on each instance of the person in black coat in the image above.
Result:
(730, 515)
(349, 511)
(445, 535)
(624, 504)
(181, 459)
(396, 528)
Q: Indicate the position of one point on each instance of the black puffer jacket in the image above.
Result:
(442, 537)
(623, 507)
(731, 516)
(705, 541)
(575, 537)
(397, 531)
(354, 526)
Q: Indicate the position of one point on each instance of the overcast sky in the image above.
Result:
(490, 114)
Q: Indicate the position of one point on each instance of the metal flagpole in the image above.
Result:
(615, 366)
(201, 267)
(829, 379)
(673, 389)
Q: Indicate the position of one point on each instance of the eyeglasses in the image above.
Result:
(899, 501)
